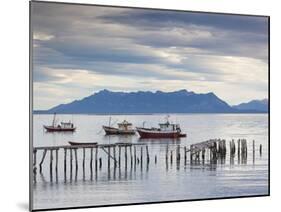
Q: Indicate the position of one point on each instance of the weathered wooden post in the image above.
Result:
(171, 156)
(100, 162)
(167, 152)
(42, 160)
(141, 156)
(83, 164)
(96, 159)
(131, 156)
(76, 160)
(119, 156)
(51, 160)
(34, 158)
(184, 154)
(57, 160)
(191, 152)
(147, 154)
(178, 153)
(114, 155)
(253, 150)
(260, 149)
(71, 159)
(203, 155)
(224, 148)
(135, 155)
(126, 157)
(108, 158)
(51, 165)
(91, 160)
(238, 149)
(115, 162)
(155, 159)
(34, 162)
(64, 160)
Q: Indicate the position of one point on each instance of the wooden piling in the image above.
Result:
(155, 159)
(83, 164)
(51, 160)
(91, 159)
(131, 156)
(51, 165)
(100, 163)
(135, 155)
(178, 153)
(171, 159)
(76, 160)
(34, 157)
(57, 160)
(42, 160)
(260, 149)
(141, 156)
(167, 152)
(185, 154)
(238, 149)
(96, 159)
(114, 155)
(147, 154)
(108, 158)
(125, 156)
(203, 154)
(119, 156)
(71, 159)
(64, 161)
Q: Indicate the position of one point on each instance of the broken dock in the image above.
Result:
(131, 155)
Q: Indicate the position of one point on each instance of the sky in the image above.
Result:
(79, 50)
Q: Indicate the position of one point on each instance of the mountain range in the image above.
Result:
(182, 101)
(258, 105)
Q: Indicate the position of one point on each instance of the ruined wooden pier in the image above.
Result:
(210, 151)
(108, 149)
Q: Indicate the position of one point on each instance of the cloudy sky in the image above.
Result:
(79, 50)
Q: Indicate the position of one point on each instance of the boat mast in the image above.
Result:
(109, 122)
(54, 119)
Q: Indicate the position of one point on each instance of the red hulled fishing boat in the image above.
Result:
(165, 130)
(61, 127)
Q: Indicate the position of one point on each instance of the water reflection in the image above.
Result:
(137, 162)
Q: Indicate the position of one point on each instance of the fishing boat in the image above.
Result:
(165, 130)
(124, 128)
(61, 127)
(72, 143)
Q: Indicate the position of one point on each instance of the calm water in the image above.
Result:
(157, 181)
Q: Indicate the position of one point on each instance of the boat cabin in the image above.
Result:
(125, 125)
(66, 125)
(169, 127)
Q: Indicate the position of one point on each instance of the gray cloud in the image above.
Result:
(147, 44)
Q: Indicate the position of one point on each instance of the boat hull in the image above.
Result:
(116, 131)
(57, 129)
(147, 133)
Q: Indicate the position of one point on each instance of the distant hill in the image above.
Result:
(182, 101)
(257, 105)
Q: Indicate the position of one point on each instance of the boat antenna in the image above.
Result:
(54, 119)
(167, 118)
